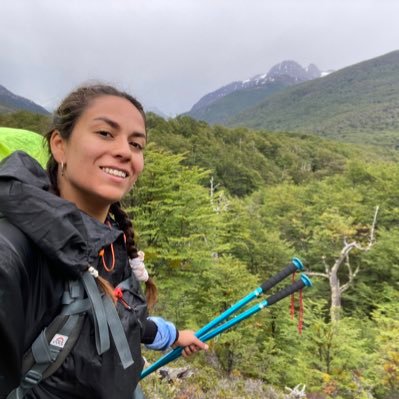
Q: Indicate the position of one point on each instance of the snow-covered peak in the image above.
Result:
(287, 72)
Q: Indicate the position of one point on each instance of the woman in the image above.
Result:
(78, 232)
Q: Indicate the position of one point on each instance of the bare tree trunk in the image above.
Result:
(331, 273)
(335, 309)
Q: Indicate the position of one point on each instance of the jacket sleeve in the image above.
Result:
(166, 334)
(13, 283)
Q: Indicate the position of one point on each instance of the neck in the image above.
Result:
(94, 212)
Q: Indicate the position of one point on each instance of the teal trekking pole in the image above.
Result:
(205, 332)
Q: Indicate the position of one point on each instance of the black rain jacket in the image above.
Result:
(64, 241)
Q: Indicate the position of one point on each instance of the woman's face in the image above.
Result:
(103, 156)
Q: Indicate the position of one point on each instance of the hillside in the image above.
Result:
(225, 102)
(363, 98)
(220, 111)
(10, 102)
(242, 161)
(25, 120)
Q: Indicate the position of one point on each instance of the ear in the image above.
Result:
(58, 146)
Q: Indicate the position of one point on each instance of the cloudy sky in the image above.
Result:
(169, 53)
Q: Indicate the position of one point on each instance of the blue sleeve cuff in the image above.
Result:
(166, 334)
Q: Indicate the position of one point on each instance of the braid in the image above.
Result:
(125, 224)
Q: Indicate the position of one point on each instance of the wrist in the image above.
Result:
(176, 339)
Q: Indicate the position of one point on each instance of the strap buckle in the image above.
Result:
(32, 378)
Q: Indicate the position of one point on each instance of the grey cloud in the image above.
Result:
(171, 53)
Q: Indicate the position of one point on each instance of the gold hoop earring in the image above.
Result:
(62, 168)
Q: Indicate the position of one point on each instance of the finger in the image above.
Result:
(187, 351)
(201, 345)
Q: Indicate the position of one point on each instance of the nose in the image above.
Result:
(122, 148)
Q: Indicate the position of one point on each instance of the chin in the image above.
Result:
(111, 198)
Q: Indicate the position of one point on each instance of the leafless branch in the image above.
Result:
(326, 267)
(317, 274)
(372, 232)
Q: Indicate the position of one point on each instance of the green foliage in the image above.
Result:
(387, 344)
(177, 223)
(25, 120)
(261, 248)
(243, 161)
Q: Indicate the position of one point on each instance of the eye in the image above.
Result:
(104, 133)
(136, 145)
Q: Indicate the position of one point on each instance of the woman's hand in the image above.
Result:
(189, 342)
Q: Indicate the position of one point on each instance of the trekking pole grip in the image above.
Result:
(303, 282)
(294, 266)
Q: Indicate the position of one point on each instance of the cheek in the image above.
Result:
(139, 165)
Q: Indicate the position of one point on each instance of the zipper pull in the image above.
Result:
(119, 295)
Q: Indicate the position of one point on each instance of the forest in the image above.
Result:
(218, 210)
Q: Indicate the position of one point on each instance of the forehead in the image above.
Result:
(119, 109)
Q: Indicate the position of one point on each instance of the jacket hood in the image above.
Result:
(66, 235)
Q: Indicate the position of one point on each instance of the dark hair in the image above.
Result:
(64, 120)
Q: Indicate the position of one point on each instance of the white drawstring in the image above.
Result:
(138, 267)
(93, 271)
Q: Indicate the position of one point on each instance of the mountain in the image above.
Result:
(157, 111)
(362, 98)
(219, 106)
(10, 102)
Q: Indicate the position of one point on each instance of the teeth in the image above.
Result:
(114, 172)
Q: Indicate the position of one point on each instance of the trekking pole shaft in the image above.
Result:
(174, 354)
(238, 305)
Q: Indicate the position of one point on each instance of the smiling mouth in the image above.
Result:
(115, 172)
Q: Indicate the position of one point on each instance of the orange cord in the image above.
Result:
(292, 303)
(102, 252)
(300, 317)
(292, 307)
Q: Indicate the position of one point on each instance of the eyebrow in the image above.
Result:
(115, 125)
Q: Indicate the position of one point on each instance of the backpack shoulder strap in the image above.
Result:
(55, 342)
